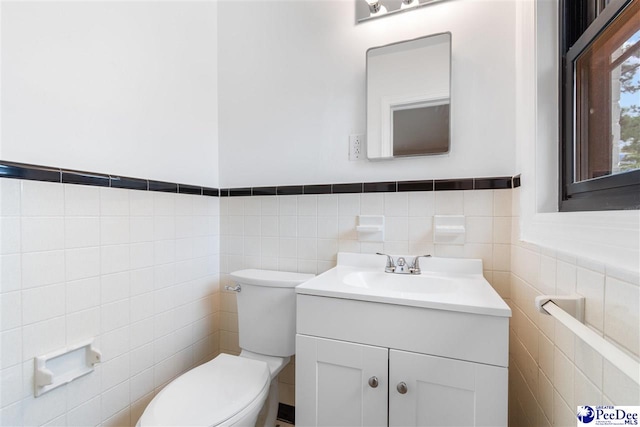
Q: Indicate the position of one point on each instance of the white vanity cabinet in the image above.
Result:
(371, 364)
(445, 392)
(345, 384)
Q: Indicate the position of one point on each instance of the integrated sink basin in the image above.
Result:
(404, 284)
(445, 283)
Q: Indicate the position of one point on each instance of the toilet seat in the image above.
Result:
(215, 393)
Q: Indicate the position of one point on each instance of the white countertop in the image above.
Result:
(448, 283)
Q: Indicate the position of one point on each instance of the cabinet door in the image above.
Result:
(445, 392)
(332, 383)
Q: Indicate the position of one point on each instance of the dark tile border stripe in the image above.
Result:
(65, 176)
(380, 187)
(30, 172)
(264, 191)
(347, 188)
(129, 183)
(289, 190)
(206, 191)
(317, 189)
(416, 185)
(85, 178)
(165, 187)
(453, 184)
(189, 189)
(492, 183)
(489, 183)
(68, 176)
(236, 192)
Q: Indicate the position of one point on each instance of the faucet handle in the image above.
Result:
(415, 268)
(390, 267)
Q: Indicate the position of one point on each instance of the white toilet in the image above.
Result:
(232, 390)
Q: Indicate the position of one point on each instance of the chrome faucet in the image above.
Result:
(416, 264)
(399, 265)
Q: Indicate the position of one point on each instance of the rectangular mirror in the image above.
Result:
(409, 98)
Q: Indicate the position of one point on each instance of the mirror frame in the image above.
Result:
(388, 125)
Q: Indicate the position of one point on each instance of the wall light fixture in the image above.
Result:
(368, 9)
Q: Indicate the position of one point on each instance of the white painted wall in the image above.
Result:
(610, 237)
(292, 89)
(117, 87)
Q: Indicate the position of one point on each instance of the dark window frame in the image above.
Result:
(581, 21)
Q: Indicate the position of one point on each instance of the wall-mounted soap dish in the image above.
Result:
(449, 229)
(370, 228)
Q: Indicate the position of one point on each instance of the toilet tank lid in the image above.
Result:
(270, 278)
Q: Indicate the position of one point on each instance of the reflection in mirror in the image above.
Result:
(408, 98)
(421, 130)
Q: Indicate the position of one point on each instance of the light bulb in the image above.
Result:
(375, 8)
(406, 4)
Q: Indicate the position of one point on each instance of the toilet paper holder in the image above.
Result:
(60, 367)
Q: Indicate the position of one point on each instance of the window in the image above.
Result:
(600, 114)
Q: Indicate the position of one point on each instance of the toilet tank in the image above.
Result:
(267, 310)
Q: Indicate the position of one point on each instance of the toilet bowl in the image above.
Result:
(238, 390)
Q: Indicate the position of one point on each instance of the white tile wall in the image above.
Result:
(304, 234)
(136, 270)
(141, 272)
(552, 371)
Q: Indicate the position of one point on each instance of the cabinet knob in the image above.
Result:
(402, 388)
(373, 382)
